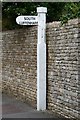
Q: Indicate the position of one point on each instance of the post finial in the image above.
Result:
(41, 9)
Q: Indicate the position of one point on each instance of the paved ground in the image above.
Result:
(12, 108)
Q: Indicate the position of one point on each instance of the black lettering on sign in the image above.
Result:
(28, 23)
(29, 18)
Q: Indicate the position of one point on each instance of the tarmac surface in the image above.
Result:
(12, 108)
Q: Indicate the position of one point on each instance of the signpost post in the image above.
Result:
(41, 59)
(39, 20)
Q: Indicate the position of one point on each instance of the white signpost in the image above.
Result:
(39, 20)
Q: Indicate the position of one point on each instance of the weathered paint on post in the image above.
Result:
(41, 59)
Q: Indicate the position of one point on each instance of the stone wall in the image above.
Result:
(0, 63)
(19, 69)
(62, 68)
(19, 63)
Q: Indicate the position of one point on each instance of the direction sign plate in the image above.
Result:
(27, 20)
